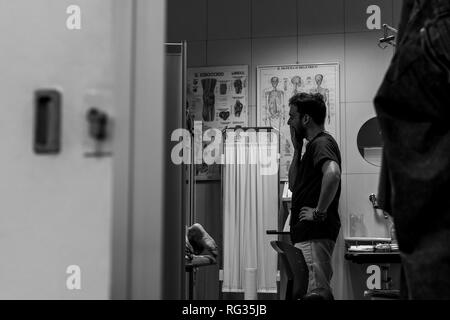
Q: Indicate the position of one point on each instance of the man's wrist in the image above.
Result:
(319, 215)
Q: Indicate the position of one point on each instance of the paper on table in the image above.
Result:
(362, 248)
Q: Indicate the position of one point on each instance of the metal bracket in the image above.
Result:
(387, 39)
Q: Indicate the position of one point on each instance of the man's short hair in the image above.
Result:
(310, 104)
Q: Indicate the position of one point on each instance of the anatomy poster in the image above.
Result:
(277, 84)
(217, 96)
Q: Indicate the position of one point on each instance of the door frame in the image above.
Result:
(138, 175)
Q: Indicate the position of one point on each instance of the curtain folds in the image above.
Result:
(250, 199)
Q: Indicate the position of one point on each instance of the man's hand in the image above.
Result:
(306, 214)
(296, 141)
(293, 169)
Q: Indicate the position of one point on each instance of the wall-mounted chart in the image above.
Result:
(276, 84)
(217, 96)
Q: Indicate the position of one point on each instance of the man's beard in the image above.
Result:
(300, 133)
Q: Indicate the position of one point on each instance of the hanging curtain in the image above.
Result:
(250, 198)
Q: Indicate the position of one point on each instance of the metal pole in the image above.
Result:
(183, 171)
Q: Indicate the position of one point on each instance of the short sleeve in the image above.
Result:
(325, 150)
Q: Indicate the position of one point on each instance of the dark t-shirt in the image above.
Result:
(306, 191)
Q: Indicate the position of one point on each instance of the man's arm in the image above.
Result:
(330, 184)
(293, 169)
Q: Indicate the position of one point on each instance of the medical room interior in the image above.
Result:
(124, 123)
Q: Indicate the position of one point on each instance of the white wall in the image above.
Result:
(258, 32)
(55, 211)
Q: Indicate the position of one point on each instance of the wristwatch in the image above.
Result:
(319, 216)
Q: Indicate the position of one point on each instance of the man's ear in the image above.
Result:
(306, 119)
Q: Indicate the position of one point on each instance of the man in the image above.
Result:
(315, 182)
(413, 109)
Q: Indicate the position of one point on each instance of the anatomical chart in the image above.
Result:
(217, 96)
(277, 84)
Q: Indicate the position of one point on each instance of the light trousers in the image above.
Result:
(318, 255)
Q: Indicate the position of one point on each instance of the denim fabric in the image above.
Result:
(318, 255)
(413, 109)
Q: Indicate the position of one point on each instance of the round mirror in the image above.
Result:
(370, 144)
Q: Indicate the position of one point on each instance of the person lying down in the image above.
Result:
(201, 249)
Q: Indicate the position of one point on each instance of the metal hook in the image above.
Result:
(388, 39)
